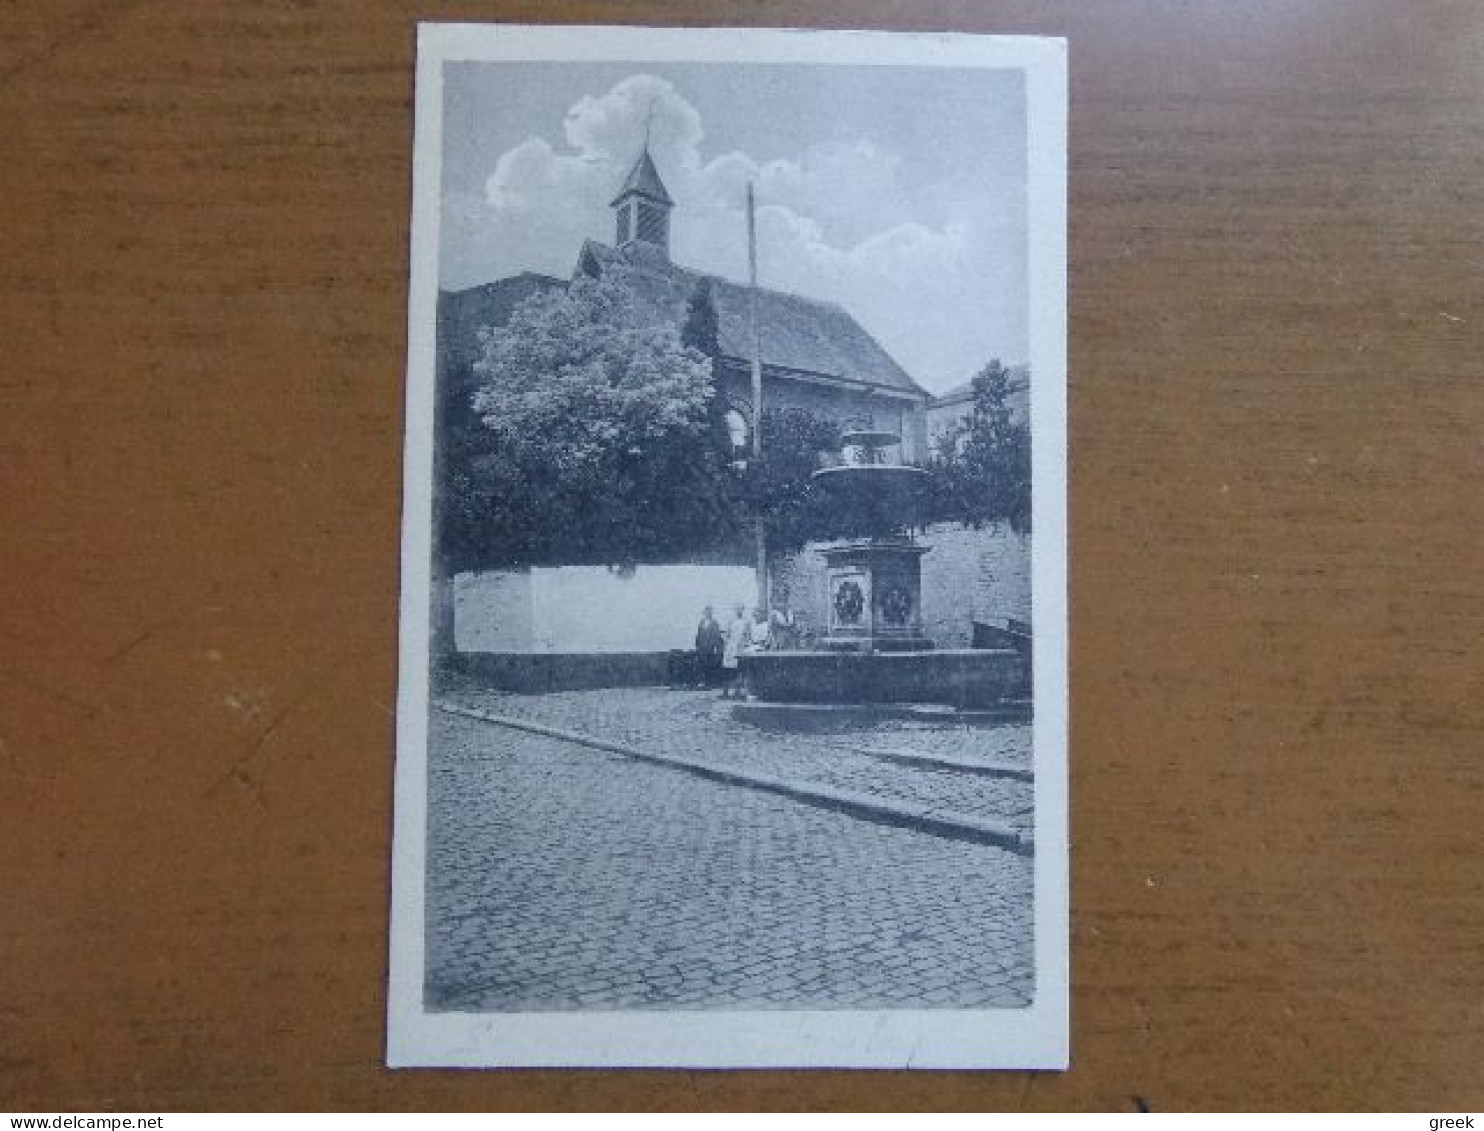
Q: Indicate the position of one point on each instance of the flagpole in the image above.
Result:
(760, 541)
(757, 341)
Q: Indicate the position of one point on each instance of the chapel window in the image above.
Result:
(738, 430)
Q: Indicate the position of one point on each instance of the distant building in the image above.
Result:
(950, 409)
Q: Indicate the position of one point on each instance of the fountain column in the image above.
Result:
(874, 582)
(875, 596)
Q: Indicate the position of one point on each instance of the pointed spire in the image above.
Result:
(641, 210)
(644, 179)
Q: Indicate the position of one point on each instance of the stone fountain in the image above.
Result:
(874, 581)
(874, 649)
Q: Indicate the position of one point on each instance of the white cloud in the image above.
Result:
(612, 125)
(833, 223)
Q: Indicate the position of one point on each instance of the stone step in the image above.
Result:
(943, 762)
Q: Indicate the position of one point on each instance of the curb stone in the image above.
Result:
(943, 762)
(935, 822)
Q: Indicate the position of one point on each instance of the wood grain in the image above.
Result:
(1276, 417)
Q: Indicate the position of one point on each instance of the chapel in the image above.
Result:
(815, 356)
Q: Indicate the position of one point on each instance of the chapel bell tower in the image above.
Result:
(642, 208)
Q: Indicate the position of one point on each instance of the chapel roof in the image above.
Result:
(803, 335)
(461, 314)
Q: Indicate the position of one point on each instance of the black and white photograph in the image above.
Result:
(733, 706)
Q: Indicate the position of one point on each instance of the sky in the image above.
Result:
(898, 192)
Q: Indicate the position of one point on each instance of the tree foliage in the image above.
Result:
(778, 486)
(982, 466)
(598, 443)
(583, 435)
(701, 330)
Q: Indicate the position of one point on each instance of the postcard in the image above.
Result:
(732, 725)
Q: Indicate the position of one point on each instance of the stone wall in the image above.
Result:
(968, 575)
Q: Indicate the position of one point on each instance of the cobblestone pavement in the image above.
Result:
(1008, 743)
(561, 877)
(698, 725)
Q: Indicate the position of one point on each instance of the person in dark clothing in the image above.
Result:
(710, 644)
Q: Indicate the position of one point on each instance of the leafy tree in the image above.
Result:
(598, 445)
(982, 469)
(701, 330)
(778, 485)
(588, 437)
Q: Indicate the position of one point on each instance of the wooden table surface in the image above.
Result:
(1277, 346)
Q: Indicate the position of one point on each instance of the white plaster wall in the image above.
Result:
(592, 609)
(492, 612)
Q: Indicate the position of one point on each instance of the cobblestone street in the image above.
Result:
(697, 725)
(563, 877)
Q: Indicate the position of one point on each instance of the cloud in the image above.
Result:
(838, 221)
(612, 126)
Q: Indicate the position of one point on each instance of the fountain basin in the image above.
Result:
(965, 678)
